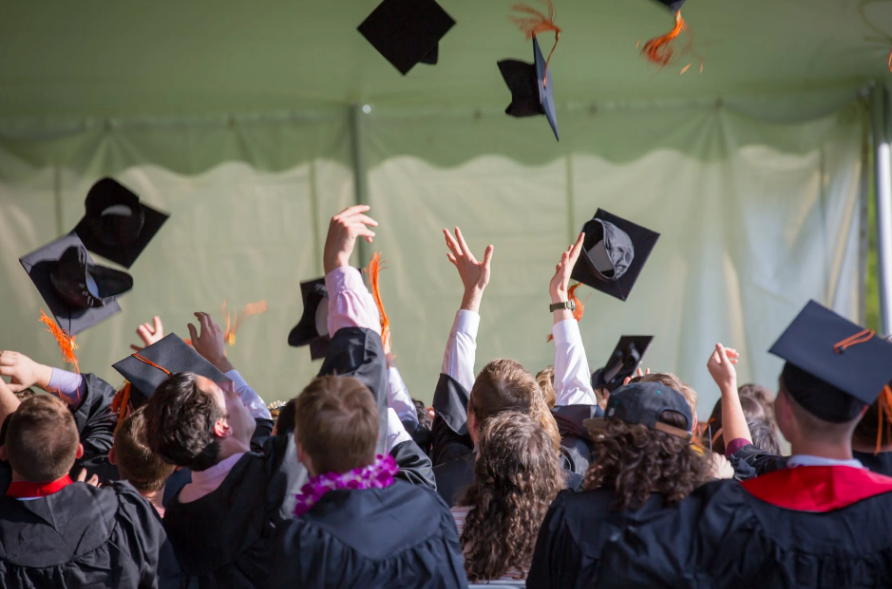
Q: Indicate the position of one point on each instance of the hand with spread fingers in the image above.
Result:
(210, 343)
(343, 230)
(23, 371)
(149, 333)
(474, 275)
(560, 283)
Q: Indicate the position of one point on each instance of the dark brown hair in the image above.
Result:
(517, 476)
(180, 419)
(42, 439)
(636, 461)
(137, 464)
(285, 420)
(336, 424)
(752, 410)
(502, 385)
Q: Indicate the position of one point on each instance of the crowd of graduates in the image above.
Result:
(556, 477)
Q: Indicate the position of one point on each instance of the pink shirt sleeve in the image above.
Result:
(736, 445)
(350, 304)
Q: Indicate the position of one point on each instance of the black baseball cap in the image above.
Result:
(312, 329)
(117, 226)
(834, 368)
(532, 89)
(643, 403)
(407, 32)
(626, 357)
(79, 293)
(147, 369)
(614, 253)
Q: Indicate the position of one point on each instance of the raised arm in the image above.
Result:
(734, 428)
(572, 376)
(8, 402)
(25, 372)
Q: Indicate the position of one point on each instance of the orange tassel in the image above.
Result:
(580, 306)
(374, 269)
(885, 411)
(659, 50)
(233, 325)
(537, 24)
(120, 405)
(65, 341)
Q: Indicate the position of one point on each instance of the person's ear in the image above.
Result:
(111, 456)
(472, 427)
(3, 453)
(80, 452)
(222, 429)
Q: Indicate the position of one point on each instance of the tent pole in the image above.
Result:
(360, 172)
(883, 195)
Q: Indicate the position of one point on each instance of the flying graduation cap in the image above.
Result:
(660, 50)
(623, 362)
(407, 32)
(312, 329)
(116, 225)
(614, 252)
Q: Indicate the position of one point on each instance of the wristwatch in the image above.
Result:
(569, 305)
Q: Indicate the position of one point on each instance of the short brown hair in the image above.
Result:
(545, 378)
(502, 385)
(336, 424)
(673, 382)
(137, 464)
(42, 439)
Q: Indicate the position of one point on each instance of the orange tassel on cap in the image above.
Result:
(232, 325)
(580, 306)
(661, 51)
(65, 341)
(885, 406)
(538, 23)
(120, 405)
(374, 269)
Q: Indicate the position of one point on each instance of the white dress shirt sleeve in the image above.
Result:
(396, 433)
(350, 304)
(461, 349)
(572, 377)
(398, 397)
(251, 399)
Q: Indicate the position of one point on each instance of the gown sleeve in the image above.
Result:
(449, 432)
(749, 461)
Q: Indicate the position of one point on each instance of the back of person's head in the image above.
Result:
(637, 461)
(136, 462)
(424, 418)
(670, 380)
(502, 385)
(336, 424)
(285, 420)
(764, 436)
(762, 395)
(545, 378)
(518, 475)
(42, 439)
(180, 419)
(752, 410)
(798, 424)
(24, 394)
(868, 431)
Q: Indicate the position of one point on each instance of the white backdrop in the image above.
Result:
(756, 218)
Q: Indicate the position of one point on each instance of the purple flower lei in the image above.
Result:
(378, 475)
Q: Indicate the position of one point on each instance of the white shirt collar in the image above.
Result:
(808, 460)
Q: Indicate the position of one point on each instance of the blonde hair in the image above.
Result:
(545, 378)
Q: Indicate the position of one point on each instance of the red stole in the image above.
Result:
(29, 490)
(818, 489)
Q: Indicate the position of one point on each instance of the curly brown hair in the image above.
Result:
(637, 461)
(518, 475)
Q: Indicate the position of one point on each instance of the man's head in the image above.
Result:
(502, 385)
(800, 426)
(545, 378)
(41, 440)
(194, 423)
(285, 420)
(336, 425)
(136, 462)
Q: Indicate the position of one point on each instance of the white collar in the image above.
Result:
(809, 460)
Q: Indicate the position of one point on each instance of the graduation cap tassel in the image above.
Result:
(121, 402)
(659, 50)
(536, 24)
(885, 411)
(580, 306)
(232, 326)
(374, 269)
(65, 341)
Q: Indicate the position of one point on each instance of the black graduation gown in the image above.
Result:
(402, 536)
(96, 428)
(450, 439)
(576, 442)
(84, 536)
(881, 463)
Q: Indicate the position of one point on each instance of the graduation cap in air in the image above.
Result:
(407, 32)
(626, 357)
(117, 226)
(532, 90)
(312, 329)
(147, 369)
(614, 252)
(79, 293)
(673, 5)
(834, 368)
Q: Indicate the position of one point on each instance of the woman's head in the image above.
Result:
(518, 475)
(502, 385)
(752, 410)
(545, 378)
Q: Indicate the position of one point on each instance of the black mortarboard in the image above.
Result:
(116, 225)
(407, 32)
(673, 5)
(147, 369)
(79, 293)
(834, 367)
(626, 357)
(312, 329)
(614, 252)
(529, 97)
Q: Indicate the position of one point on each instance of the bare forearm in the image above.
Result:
(8, 401)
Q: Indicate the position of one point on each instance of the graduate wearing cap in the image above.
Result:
(820, 519)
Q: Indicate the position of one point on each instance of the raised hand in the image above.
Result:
(149, 333)
(560, 282)
(23, 371)
(93, 480)
(474, 275)
(721, 367)
(638, 374)
(209, 343)
(343, 230)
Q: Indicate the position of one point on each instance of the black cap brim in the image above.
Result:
(170, 353)
(643, 240)
(124, 254)
(407, 32)
(529, 97)
(861, 370)
(305, 332)
(38, 265)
